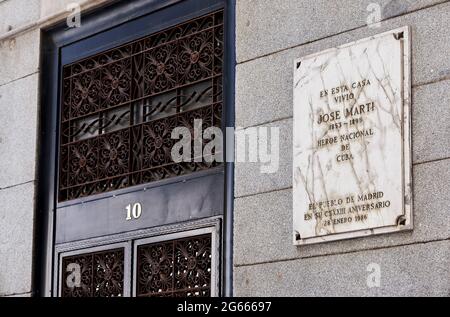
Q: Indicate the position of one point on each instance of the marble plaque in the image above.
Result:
(351, 160)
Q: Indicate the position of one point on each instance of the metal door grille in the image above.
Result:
(177, 268)
(100, 274)
(119, 108)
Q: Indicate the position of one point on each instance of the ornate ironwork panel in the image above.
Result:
(99, 274)
(120, 107)
(177, 268)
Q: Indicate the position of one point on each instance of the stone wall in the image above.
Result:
(20, 24)
(270, 35)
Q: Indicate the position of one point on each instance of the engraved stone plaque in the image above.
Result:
(351, 160)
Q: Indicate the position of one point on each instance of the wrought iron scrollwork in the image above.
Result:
(119, 107)
(178, 268)
(99, 274)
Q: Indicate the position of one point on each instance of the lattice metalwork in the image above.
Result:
(99, 274)
(119, 108)
(178, 268)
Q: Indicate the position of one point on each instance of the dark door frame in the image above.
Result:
(114, 14)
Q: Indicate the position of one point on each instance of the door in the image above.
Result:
(129, 218)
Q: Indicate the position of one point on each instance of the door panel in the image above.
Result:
(183, 264)
(101, 271)
(180, 260)
(119, 109)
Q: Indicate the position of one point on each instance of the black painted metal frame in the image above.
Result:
(62, 45)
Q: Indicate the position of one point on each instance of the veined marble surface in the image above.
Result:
(351, 171)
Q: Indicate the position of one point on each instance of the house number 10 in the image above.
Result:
(134, 211)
